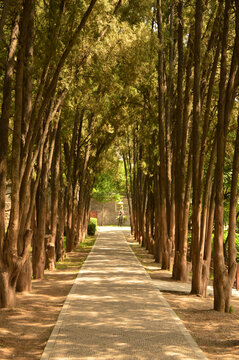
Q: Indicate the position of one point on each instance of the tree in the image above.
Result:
(15, 245)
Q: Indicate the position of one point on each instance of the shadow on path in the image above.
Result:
(114, 311)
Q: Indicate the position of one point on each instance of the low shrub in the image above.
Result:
(92, 226)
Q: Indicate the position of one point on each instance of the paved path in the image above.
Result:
(114, 311)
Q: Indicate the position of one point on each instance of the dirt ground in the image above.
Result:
(216, 334)
(25, 329)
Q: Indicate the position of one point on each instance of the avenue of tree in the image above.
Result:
(154, 83)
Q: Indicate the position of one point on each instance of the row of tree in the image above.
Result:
(183, 141)
(57, 120)
(155, 82)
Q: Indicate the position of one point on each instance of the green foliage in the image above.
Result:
(225, 238)
(84, 247)
(110, 183)
(88, 243)
(92, 226)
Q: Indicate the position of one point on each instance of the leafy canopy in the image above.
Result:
(110, 184)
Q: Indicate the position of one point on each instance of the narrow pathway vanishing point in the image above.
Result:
(114, 311)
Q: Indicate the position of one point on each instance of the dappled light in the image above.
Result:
(119, 113)
(115, 312)
(216, 333)
(25, 329)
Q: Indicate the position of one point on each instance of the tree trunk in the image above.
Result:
(162, 180)
(168, 133)
(8, 289)
(55, 185)
(157, 243)
(219, 264)
(60, 250)
(10, 272)
(208, 243)
(196, 206)
(149, 243)
(38, 246)
(206, 221)
(81, 205)
(128, 193)
(70, 188)
(4, 123)
(132, 193)
(180, 262)
(38, 254)
(232, 252)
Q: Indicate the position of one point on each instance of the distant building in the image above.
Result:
(107, 213)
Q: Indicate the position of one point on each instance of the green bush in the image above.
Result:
(92, 226)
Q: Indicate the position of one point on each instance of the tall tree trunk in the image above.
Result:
(157, 240)
(60, 250)
(208, 243)
(179, 272)
(128, 193)
(4, 123)
(196, 253)
(13, 235)
(207, 208)
(38, 255)
(24, 281)
(38, 246)
(219, 264)
(55, 190)
(162, 181)
(149, 242)
(131, 191)
(70, 189)
(81, 205)
(232, 252)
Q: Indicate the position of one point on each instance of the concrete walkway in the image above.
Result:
(114, 311)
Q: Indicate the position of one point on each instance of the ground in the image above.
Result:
(215, 333)
(26, 329)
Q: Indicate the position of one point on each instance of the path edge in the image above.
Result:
(175, 317)
(49, 347)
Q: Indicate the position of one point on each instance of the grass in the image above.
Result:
(75, 263)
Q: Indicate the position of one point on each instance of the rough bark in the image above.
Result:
(206, 221)
(10, 271)
(157, 243)
(150, 219)
(4, 122)
(163, 180)
(69, 190)
(219, 265)
(82, 191)
(179, 272)
(208, 243)
(128, 192)
(55, 185)
(232, 252)
(25, 276)
(39, 256)
(196, 202)
(60, 250)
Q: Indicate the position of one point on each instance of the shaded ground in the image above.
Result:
(216, 334)
(25, 330)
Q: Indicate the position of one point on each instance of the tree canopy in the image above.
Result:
(156, 83)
